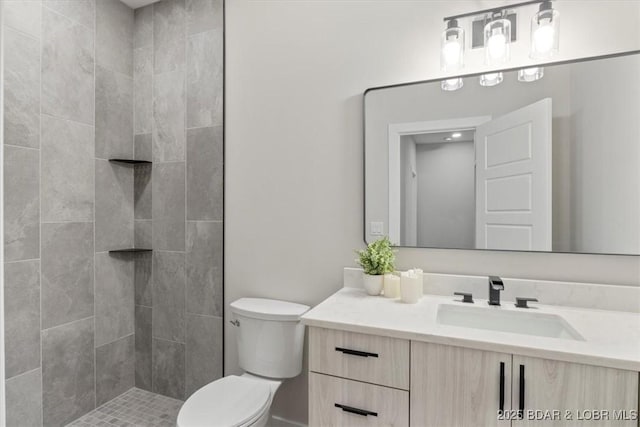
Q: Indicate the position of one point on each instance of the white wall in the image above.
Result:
(446, 195)
(295, 74)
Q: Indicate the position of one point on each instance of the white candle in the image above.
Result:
(391, 286)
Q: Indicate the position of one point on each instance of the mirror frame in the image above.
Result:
(438, 80)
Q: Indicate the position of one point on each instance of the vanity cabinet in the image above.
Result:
(457, 386)
(577, 394)
(360, 379)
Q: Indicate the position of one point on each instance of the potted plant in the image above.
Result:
(376, 260)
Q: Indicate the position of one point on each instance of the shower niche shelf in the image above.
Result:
(129, 250)
(131, 161)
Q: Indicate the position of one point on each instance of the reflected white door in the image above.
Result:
(513, 180)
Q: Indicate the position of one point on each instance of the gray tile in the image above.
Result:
(68, 376)
(142, 147)
(24, 400)
(203, 351)
(80, 11)
(114, 205)
(23, 16)
(21, 203)
(168, 35)
(67, 170)
(169, 117)
(67, 273)
(205, 174)
(168, 368)
(67, 66)
(204, 79)
(21, 317)
(143, 89)
(114, 294)
(203, 15)
(142, 191)
(114, 114)
(115, 365)
(143, 347)
(143, 282)
(21, 90)
(168, 202)
(204, 267)
(143, 27)
(169, 295)
(143, 233)
(114, 36)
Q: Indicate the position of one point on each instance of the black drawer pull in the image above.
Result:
(356, 352)
(356, 411)
(501, 387)
(521, 403)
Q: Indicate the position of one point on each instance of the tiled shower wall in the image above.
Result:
(178, 57)
(70, 89)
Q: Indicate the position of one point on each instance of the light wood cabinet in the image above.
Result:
(572, 394)
(354, 376)
(342, 402)
(362, 357)
(456, 386)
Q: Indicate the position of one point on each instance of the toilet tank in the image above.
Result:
(270, 336)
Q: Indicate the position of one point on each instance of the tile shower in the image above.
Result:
(86, 81)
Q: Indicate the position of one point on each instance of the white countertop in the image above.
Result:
(612, 338)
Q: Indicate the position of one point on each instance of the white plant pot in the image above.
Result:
(373, 283)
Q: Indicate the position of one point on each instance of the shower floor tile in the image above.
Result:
(135, 407)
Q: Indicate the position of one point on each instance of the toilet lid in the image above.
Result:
(229, 401)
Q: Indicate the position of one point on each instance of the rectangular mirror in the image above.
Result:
(548, 165)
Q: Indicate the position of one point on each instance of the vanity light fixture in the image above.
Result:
(491, 79)
(530, 74)
(497, 39)
(452, 47)
(451, 84)
(545, 26)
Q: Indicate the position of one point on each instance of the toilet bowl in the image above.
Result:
(270, 340)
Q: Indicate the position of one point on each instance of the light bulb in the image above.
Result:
(456, 135)
(451, 52)
(543, 39)
(450, 85)
(497, 46)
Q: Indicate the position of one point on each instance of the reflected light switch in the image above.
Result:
(377, 228)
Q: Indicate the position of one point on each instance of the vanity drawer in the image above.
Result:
(341, 402)
(370, 358)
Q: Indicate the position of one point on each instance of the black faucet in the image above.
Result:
(495, 286)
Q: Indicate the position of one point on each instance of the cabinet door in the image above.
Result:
(571, 394)
(338, 402)
(456, 386)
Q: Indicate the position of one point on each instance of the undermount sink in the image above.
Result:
(501, 320)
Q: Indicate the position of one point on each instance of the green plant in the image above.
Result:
(377, 258)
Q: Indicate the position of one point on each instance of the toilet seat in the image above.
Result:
(230, 401)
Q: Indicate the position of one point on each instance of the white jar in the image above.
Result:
(410, 286)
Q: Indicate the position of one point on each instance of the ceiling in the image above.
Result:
(134, 4)
(439, 137)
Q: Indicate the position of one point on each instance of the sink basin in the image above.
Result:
(501, 320)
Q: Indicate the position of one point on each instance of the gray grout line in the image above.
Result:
(65, 324)
(30, 371)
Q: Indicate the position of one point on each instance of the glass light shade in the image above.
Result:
(491, 79)
(545, 27)
(451, 84)
(497, 41)
(452, 47)
(530, 74)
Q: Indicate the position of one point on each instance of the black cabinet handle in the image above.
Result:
(521, 404)
(356, 352)
(356, 411)
(501, 387)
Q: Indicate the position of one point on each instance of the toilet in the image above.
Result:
(270, 341)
